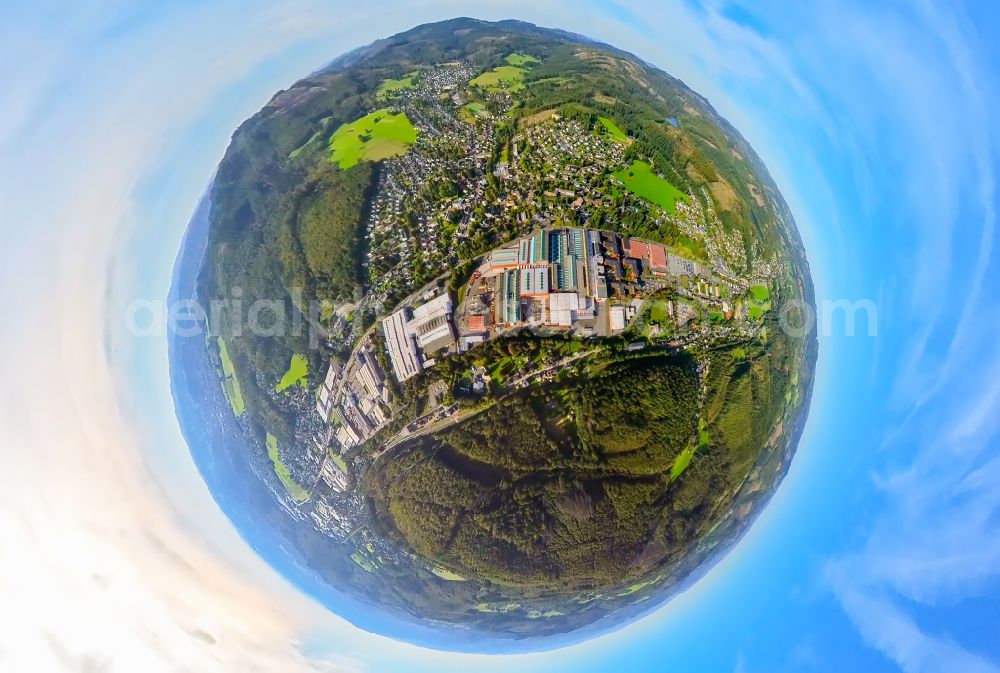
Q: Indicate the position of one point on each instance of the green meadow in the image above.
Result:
(520, 60)
(297, 374)
(374, 137)
(446, 574)
(681, 463)
(641, 181)
(760, 293)
(338, 460)
(639, 586)
(324, 123)
(298, 493)
(612, 129)
(391, 86)
(470, 111)
(230, 384)
(502, 78)
(759, 301)
(658, 312)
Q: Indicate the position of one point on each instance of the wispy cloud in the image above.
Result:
(935, 539)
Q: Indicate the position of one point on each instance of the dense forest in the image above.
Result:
(574, 485)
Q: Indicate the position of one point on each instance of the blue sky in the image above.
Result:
(881, 550)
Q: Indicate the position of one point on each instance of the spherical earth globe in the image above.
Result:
(507, 333)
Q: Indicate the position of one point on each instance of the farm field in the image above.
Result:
(374, 137)
(641, 181)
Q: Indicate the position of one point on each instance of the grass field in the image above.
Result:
(446, 574)
(470, 111)
(519, 60)
(570, 347)
(681, 463)
(639, 586)
(338, 461)
(230, 384)
(558, 81)
(658, 313)
(498, 373)
(760, 293)
(641, 181)
(360, 559)
(390, 86)
(612, 129)
(759, 304)
(374, 137)
(316, 136)
(506, 366)
(297, 374)
(503, 78)
(298, 493)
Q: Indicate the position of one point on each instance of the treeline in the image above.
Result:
(329, 229)
(571, 485)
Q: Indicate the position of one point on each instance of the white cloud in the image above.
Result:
(97, 572)
(106, 564)
(889, 628)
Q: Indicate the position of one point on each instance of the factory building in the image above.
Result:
(431, 324)
(411, 334)
(372, 376)
(534, 249)
(402, 348)
(567, 308)
(324, 404)
(534, 281)
(504, 258)
(508, 300)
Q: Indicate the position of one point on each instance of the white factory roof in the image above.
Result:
(562, 306)
(402, 349)
(440, 305)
